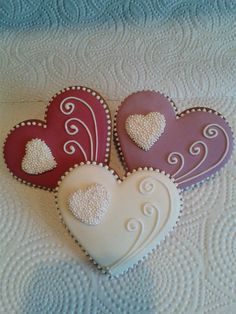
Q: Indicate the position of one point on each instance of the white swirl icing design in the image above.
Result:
(211, 131)
(67, 108)
(175, 158)
(137, 225)
(195, 149)
(148, 210)
(147, 186)
(69, 148)
(72, 129)
(133, 225)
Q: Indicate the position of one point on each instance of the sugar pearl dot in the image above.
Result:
(145, 130)
(38, 157)
(91, 204)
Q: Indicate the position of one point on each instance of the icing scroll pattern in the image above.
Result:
(175, 158)
(67, 107)
(71, 145)
(211, 131)
(147, 186)
(148, 211)
(195, 150)
(69, 127)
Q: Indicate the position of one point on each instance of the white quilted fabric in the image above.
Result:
(183, 48)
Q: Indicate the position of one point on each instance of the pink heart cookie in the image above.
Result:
(193, 146)
(77, 128)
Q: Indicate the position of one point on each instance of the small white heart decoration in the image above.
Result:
(89, 205)
(38, 157)
(145, 130)
(142, 210)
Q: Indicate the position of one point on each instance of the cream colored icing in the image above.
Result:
(145, 130)
(38, 157)
(143, 210)
(89, 205)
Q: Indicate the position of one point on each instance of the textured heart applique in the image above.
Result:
(145, 130)
(195, 144)
(38, 157)
(77, 128)
(140, 212)
(89, 205)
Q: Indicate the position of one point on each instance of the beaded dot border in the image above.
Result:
(178, 116)
(43, 124)
(106, 270)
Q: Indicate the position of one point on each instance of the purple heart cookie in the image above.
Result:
(190, 146)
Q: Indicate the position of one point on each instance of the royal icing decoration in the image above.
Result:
(67, 107)
(89, 205)
(210, 131)
(38, 157)
(195, 145)
(140, 212)
(77, 128)
(145, 130)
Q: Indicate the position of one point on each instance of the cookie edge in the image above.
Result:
(178, 115)
(105, 270)
(43, 124)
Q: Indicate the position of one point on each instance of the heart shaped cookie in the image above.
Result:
(135, 216)
(77, 128)
(194, 144)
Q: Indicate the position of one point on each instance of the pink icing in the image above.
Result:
(178, 136)
(55, 137)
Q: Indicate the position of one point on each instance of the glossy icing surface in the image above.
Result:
(77, 128)
(143, 209)
(194, 145)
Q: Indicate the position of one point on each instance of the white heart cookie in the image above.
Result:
(38, 157)
(145, 130)
(143, 209)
